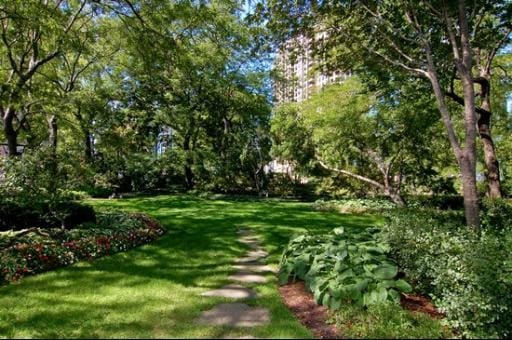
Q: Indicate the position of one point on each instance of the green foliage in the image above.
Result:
(291, 139)
(467, 275)
(37, 252)
(343, 267)
(496, 215)
(31, 179)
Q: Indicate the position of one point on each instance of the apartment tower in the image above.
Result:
(299, 73)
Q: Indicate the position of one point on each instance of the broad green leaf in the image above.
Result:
(403, 286)
(385, 272)
(394, 295)
(335, 303)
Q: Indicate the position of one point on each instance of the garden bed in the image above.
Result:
(37, 250)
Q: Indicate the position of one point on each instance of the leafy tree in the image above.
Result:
(33, 34)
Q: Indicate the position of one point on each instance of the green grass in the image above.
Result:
(154, 291)
(388, 321)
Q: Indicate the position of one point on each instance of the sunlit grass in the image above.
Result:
(388, 322)
(154, 291)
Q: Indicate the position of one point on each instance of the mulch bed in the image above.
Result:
(301, 302)
(422, 304)
(311, 315)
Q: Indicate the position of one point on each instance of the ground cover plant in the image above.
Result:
(343, 268)
(36, 250)
(354, 205)
(388, 321)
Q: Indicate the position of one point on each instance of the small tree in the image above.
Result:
(377, 140)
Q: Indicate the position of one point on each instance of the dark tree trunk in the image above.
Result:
(88, 146)
(10, 132)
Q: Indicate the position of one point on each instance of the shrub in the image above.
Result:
(469, 276)
(343, 268)
(442, 202)
(44, 250)
(282, 185)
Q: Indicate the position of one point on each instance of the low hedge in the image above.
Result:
(15, 216)
(39, 250)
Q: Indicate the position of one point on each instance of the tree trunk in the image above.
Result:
(53, 134)
(52, 127)
(467, 161)
(466, 156)
(10, 133)
(484, 130)
(395, 196)
(88, 146)
(189, 174)
(471, 208)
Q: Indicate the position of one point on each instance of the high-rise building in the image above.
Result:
(299, 74)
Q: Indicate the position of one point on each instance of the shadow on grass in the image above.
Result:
(154, 290)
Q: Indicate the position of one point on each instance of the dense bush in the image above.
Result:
(18, 216)
(282, 185)
(468, 275)
(442, 202)
(496, 215)
(343, 267)
(43, 250)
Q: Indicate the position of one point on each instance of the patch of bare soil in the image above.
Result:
(301, 302)
(422, 304)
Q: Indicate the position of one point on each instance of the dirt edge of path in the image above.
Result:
(301, 302)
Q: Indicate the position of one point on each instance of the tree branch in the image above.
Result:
(398, 63)
(459, 100)
(353, 175)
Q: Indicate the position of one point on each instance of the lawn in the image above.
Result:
(154, 291)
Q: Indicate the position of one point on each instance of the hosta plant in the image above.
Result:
(343, 267)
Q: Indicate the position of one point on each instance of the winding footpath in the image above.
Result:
(250, 269)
